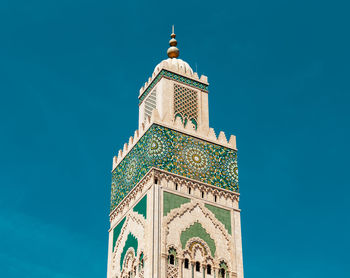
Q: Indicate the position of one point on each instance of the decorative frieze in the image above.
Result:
(173, 76)
(169, 181)
(178, 153)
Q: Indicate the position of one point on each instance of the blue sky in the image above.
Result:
(70, 73)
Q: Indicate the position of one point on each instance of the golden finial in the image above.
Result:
(173, 51)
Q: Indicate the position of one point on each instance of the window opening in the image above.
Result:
(171, 259)
(209, 269)
(198, 266)
(150, 104)
(186, 263)
(222, 273)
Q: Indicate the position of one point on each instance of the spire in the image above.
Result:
(173, 51)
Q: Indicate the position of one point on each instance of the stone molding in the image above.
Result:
(194, 184)
(129, 200)
(164, 66)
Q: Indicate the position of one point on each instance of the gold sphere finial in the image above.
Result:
(173, 51)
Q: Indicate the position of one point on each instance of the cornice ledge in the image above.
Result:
(158, 173)
(173, 69)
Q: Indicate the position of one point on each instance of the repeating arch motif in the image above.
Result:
(180, 219)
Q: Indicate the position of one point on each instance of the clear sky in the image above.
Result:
(70, 74)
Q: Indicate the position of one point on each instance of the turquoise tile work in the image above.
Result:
(177, 153)
(173, 76)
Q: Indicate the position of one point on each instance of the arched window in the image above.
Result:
(172, 256)
(186, 263)
(176, 186)
(209, 269)
(223, 269)
(202, 194)
(194, 122)
(215, 198)
(198, 266)
(171, 259)
(222, 273)
(189, 190)
(141, 263)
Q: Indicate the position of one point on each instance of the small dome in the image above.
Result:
(180, 65)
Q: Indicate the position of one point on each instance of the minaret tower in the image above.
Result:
(174, 200)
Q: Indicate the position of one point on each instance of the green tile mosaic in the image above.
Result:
(117, 230)
(131, 241)
(178, 153)
(223, 215)
(172, 201)
(141, 207)
(176, 77)
(197, 230)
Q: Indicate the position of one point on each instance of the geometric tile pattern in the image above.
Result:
(172, 271)
(185, 103)
(176, 77)
(177, 153)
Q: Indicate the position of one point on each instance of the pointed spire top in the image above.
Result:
(173, 51)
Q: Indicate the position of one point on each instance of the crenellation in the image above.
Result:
(177, 125)
(119, 157)
(232, 141)
(125, 149)
(204, 79)
(211, 134)
(136, 135)
(115, 162)
(130, 143)
(222, 138)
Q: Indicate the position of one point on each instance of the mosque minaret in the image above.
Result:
(175, 196)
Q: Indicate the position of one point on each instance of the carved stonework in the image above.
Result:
(172, 271)
(175, 191)
(134, 224)
(180, 219)
(169, 177)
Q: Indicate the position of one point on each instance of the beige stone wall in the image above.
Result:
(158, 233)
(165, 105)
